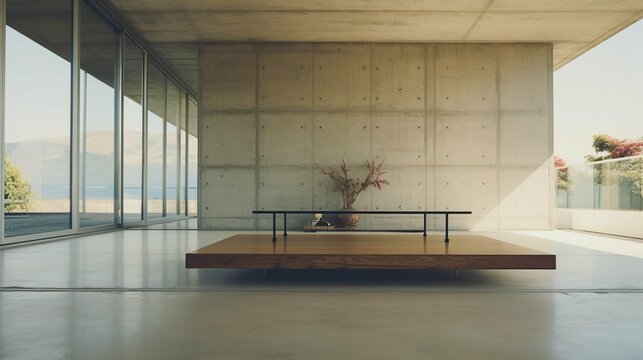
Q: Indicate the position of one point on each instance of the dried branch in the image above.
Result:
(352, 187)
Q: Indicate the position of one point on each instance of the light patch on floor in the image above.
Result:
(598, 242)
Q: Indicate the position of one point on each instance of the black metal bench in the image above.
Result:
(369, 212)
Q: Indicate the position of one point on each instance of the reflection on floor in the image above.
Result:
(127, 294)
(189, 224)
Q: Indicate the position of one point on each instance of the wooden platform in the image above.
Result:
(363, 251)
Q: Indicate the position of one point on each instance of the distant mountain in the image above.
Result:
(45, 163)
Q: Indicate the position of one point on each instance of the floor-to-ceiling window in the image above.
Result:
(86, 125)
(156, 97)
(193, 146)
(172, 149)
(183, 140)
(98, 55)
(133, 60)
(37, 143)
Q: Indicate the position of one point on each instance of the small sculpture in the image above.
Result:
(322, 223)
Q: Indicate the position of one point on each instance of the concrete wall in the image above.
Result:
(459, 126)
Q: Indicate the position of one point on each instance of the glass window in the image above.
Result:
(193, 145)
(97, 120)
(581, 188)
(618, 184)
(37, 117)
(156, 90)
(183, 158)
(609, 185)
(132, 132)
(171, 149)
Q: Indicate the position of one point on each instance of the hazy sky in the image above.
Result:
(600, 92)
(48, 82)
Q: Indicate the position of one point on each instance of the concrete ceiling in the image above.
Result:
(175, 27)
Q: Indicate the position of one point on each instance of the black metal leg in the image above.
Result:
(285, 226)
(424, 225)
(274, 227)
(446, 227)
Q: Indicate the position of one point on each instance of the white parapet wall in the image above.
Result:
(614, 222)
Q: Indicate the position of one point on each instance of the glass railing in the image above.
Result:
(615, 184)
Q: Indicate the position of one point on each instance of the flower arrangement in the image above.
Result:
(352, 187)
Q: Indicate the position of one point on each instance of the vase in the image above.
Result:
(348, 220)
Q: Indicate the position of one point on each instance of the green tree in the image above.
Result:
(17, 191)
(608, 147)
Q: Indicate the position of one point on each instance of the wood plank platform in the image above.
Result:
(365, 251)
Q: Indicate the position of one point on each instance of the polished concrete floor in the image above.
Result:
(127, 295)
